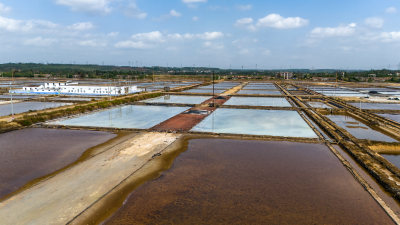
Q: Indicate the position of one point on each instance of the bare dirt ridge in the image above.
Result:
(60, 199)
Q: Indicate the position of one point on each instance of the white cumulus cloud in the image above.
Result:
(391, 10)
(13, 25)
(40, 41)
(4, 9)
(340, 31)
(93, 6)
(92, 43)
(374, 22)
(390, 36)
(279, 22)
(174, 13)
(132, 10)
(81, 26)
(272, 21)
(193, 3)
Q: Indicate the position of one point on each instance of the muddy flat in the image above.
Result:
(32, 153)
(219, 181)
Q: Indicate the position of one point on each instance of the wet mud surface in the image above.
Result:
(220, 181)
(35, 152)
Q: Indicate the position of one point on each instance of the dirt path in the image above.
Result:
(61, 198)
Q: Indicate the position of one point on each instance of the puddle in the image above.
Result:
(382, 106)
(129, 116)
(219, 181)
(22, 107)
(358, 129)
(256, 122)
(259, 92)
(258, 101)
(178, 99)
(32, 153)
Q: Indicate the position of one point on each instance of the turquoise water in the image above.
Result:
(130, 116)
(258, 101)
(184, 99)
(256, 122)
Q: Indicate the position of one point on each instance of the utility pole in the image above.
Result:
(12, 105)
(213, 89)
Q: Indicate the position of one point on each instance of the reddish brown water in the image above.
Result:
(220, 181)
(32, 153)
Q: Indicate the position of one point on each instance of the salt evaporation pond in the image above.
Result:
(382, 106)
(209, 91)
(395, 117)
(258, 101)
(129, 116)
(358, 129)
(260, 87)
(184, 99)
(22, 107)
(35, 152)
(256, 122)
(259, 92)
(319, 105)
(218, 181)
(394, 159)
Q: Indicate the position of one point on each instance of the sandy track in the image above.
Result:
(61, 198)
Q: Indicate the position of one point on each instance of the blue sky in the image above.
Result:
(356, 34)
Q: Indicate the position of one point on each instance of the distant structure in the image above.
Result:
(67, 88)
(286, 75)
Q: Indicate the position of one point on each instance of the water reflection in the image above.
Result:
(358, 129)
(22, 107)
(256, 122)
(258, 101)
(130, 116)
(184, 99)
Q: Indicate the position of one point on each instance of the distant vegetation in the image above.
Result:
(125, 72)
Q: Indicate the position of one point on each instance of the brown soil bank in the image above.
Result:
(219, 181)
(63, 197)
(32, 153)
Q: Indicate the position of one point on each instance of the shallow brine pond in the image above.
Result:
(219, 181)
(184, 99)
(319, 105)
(382, 106)
(32, 153)
(394, 159)
(22, 107)
(358, 129)
(256, 122)
(259, 92)
(395, 117)
(129, 116)
(208, 91)
(258, 101)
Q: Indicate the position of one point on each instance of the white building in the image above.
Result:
(58, 88)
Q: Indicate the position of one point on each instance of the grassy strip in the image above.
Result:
(28, 120)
